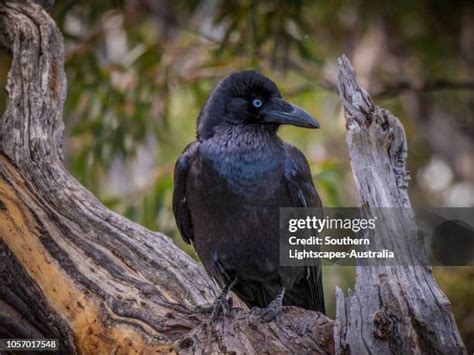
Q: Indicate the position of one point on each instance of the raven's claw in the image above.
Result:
(221, 306)
(267, 314)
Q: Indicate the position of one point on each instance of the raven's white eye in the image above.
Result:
(257, 103)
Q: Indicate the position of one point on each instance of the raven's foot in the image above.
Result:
(221, 306)
(267, 314)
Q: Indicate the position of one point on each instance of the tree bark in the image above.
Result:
(393, 309)
(73, 270)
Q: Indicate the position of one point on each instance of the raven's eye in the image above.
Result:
(257, 103)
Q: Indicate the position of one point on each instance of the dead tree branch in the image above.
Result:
(393, 309)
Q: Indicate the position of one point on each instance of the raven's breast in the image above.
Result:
(253, 177)
(234, 201)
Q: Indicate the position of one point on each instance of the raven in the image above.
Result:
(229, 186)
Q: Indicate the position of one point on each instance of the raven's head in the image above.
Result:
(249, 98)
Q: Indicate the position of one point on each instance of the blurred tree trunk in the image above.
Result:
(73, 270)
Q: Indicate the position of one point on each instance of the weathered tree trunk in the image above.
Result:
(393, 309)
(73, 270)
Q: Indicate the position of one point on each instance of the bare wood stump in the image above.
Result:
(393, 309)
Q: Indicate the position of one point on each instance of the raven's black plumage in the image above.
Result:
(230, 184)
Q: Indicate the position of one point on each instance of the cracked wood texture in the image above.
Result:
(393, 309)
(72, 269)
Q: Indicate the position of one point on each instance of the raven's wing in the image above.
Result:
(303, 194)
(180, 202)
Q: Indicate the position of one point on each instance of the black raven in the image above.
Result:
(229, 186)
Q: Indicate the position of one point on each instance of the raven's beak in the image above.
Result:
(279, 111)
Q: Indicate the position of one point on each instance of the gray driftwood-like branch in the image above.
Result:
(73, 270)
(393, 309)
